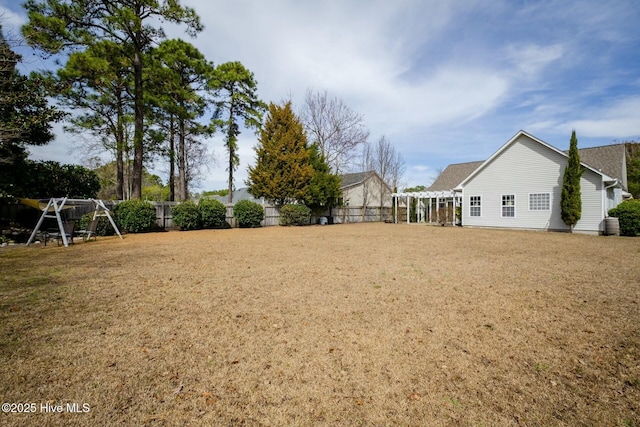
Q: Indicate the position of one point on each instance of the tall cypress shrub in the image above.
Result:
(571, 199)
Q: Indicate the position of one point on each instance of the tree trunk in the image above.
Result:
(138, 133)
(172, 160)
(232, 151)
(182, 170)
(120, 152)
(119, 173)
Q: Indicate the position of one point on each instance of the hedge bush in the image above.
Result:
(294, 215)
(248, 213)
(104, 226)
(186, 215)
(628, 214)
(212, 212)
(135, 216)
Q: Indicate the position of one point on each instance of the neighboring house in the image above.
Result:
(520, 185)
(364, 189)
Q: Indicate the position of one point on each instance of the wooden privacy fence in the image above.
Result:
(341, 215)
(352, 214)
(164, 215)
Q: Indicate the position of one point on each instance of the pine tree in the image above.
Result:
(237, 100)
(25, 116)
(571, 200)
(283, 171)
(178, 75)
(60, 26)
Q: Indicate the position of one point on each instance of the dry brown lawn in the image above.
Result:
(368, 324)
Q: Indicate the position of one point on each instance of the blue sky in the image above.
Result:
(445, 82)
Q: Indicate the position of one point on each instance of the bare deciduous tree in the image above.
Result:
(387, 163)
(198, 161)
(336, 128)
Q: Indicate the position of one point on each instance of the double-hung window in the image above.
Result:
(539, 201)
(475, 206)
(508, 205)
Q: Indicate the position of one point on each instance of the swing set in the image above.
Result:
(53, 207)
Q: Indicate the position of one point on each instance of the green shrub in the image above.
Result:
(104, 226)
(135, 216)
(248, 213)
(628, 214)
(294, 215)
(186, 215)
(212, 212)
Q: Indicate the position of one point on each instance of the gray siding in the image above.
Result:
(523, 168)
(593, 203)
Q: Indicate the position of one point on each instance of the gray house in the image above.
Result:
(519, 186)
(364, 189)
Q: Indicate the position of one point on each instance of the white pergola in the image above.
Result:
(423, 211)
(55, 205)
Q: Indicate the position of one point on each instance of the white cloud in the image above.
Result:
(11, 20)
(612, 120)
(532, 59)
(617, 120)
(419, 175)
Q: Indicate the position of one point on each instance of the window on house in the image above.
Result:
(475, 205)
(539, 202)
(509, 205)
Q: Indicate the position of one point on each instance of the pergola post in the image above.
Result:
(395, 216)
(408, 208)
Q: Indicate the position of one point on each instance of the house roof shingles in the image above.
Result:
(608, 159)
(453, 175)
(349, 179)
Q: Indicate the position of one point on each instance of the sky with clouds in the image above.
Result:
(445, 82)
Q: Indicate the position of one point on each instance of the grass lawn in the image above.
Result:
(364, 324)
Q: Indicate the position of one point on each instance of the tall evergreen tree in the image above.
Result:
(25, 116)
(97, 82)
(58, 25)
(571, 199)
(178, 76)
(237, 101)
(282, 172)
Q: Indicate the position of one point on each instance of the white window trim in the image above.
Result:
(475, 216)
(539, 210)
(503, 206)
